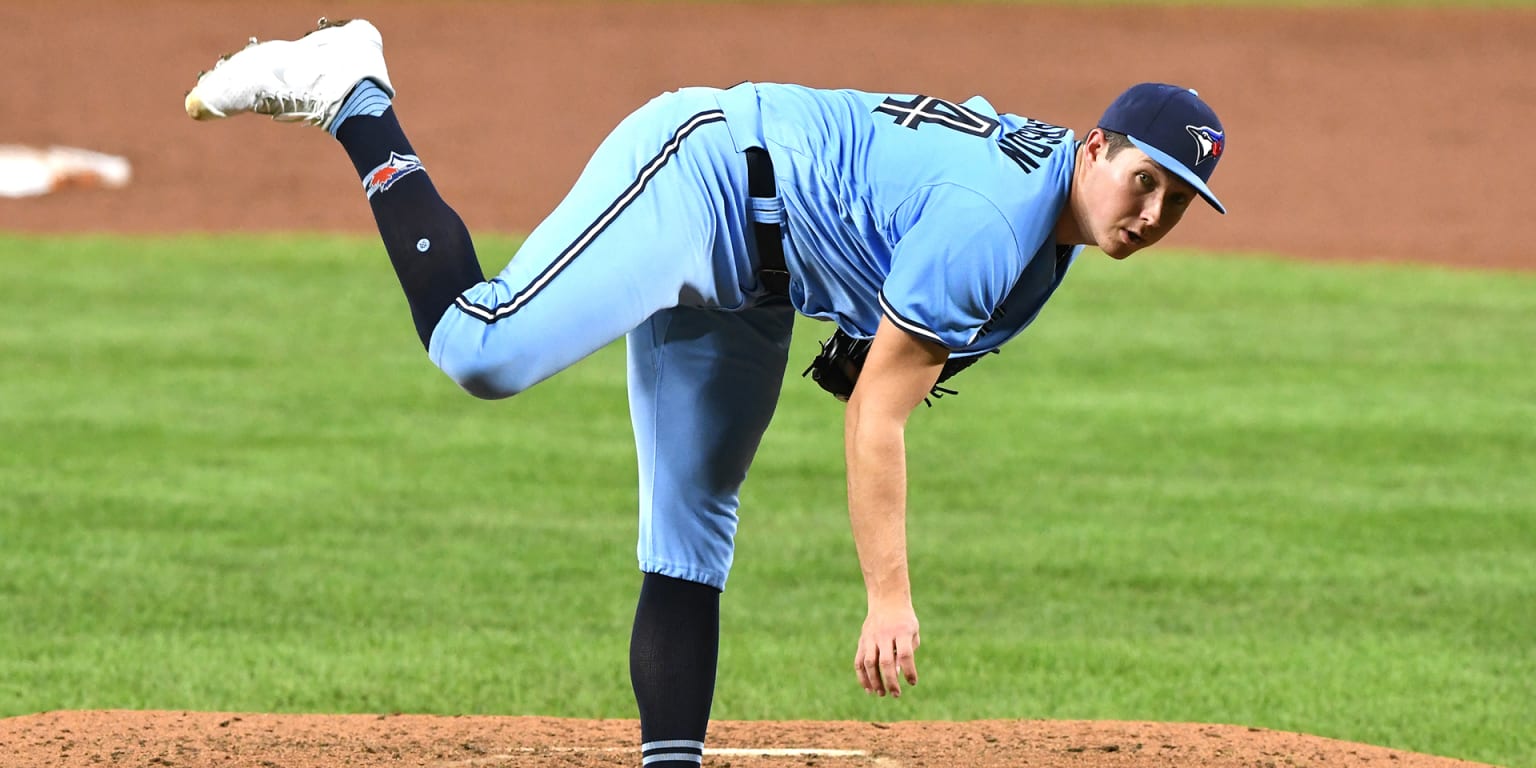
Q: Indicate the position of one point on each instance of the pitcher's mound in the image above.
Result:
(218, 740)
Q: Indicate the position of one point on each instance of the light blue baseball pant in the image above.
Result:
(653, 242)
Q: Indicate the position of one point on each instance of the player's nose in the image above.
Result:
(1152, 211)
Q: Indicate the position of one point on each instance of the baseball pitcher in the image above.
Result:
(928, 232)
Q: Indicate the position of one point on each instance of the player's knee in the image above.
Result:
(484, 387)
(484, 379)
(486, 365)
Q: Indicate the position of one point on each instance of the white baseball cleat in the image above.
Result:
(302, 80)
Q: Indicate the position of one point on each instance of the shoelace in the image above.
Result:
(287, 108)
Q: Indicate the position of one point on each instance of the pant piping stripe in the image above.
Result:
(630, 194)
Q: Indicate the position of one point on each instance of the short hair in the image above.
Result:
(1114, 141)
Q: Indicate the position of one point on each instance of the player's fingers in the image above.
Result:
(889, 674)
(906, 660)
(917, 642)
(862, 668)
(858, 669)
(870, 668)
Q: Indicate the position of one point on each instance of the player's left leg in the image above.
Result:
(703, 387)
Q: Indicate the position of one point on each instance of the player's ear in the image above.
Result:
(1095, 144)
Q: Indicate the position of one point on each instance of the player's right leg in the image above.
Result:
(335, 77)
(657, 219)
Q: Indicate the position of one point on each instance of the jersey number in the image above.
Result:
(928, 109)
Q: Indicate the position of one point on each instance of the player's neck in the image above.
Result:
(1068, 229)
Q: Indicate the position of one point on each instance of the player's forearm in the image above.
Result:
(877, 502)
(898, 373)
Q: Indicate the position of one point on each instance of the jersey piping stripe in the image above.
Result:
(492, 314)
(908, 325)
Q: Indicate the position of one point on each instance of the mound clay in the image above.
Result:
(297, 741)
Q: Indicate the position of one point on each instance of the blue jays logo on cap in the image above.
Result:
(1175, 127)
(1209, 140)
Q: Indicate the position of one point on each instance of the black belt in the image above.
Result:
(771, 269)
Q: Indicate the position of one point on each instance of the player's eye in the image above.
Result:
(1145, 179)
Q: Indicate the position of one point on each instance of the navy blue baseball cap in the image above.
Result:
(1175, 127)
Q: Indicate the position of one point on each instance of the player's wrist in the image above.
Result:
(880, 600)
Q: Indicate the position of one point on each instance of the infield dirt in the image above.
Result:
(1366, 135)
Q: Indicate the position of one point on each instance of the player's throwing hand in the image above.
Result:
(888, 650)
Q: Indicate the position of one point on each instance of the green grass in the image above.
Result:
(1201, 489)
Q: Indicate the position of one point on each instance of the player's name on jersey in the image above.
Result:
(1028, 145)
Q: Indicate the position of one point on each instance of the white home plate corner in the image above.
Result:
(787, 752)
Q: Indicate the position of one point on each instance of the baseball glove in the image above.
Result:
(836, 368)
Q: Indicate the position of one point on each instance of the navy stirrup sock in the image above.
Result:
(672, 656)
(427, 242)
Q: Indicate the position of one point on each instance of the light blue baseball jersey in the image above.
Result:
(937, 215)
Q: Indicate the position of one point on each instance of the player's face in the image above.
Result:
(1132, 201)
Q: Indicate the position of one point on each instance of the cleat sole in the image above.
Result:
(197, 110)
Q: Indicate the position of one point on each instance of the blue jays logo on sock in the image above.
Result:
(1209, 140)
(383, 177)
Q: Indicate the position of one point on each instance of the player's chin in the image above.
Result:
(1119, 248)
